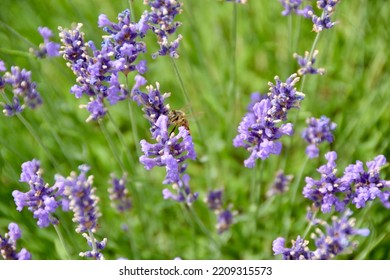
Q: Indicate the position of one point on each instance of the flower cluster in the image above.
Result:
(170, 150)
(97, 70)
(306, 62)
(259, 133)
(8, 244)
(96, 247)
(42, 200)
(356, 186)
(23, 90)
(335, 240)
(48, 48)
(161, 20)
(317, 131)
(327, 8)
(280, 184)
(119, 195)
(224, 216)
(82, 199)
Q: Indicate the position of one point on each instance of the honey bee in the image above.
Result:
(178, 118)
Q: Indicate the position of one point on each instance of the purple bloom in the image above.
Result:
(237, 1)
(318, 131)
(324, 21)
(82, 199)
(48, 48)
(307, 63)
(280, 184)
(214, 199)
(119, 195)
(8, 244)
(367, 184)
(330, 191)
(284, 96)
(161, 20)
(298, 251)
(259, 134)
(336, 238)
(96, 248)
(41, 199)
(169, 151)
(292, 6)
(224, 220)
(23, 89)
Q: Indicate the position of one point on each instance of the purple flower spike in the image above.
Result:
(225, 219)
(367, 184)
(95, 252)
(318, 131)
(330, 191)
(280, 184)
(214, 199)
(258, 133)
(8, 244)
(161, 20)
(48, 48)
(41, 199)
(23, 89)
(82, 199)
(119, 195)
(337, 237)
(324, 21)
(306, 62)
(298, 251)
(284, 96)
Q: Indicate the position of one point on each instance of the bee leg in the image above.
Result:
(173, 129)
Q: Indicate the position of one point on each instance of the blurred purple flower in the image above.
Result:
(119, 195)
(317, 131)
(280, 184)
(8, 244)
(48, 48)
(307, 63)
(214, 199)
(24, 92)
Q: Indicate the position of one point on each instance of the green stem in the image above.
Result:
(132, 10)
(134, 129)
(111, 144)
(15, 52)
(298, 182)
(62, 240)
(93, 242)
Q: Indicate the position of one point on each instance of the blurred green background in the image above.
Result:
(354, 93)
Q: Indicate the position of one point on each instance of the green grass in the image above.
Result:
(354, 93)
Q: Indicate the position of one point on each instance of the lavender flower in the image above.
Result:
(306, 62)
(280, 184)
(161, 20)
(284, 96)
(96, 247)
(214, 199)
(298, 251)
(330, 191)
(41, 199)
(224, 220)
(336, 238)
(119, 195)
(259, 134)
(82, 199)
(367, 184)
(23, 89)
(318, 131)
(324, 21)
(8, 244)
(48, 48)
(293, 6)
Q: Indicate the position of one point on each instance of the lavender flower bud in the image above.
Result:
(96, 248)
(48, 48)
(298, 251)
(280, 184)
